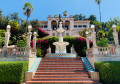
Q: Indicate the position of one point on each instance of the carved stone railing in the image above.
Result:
(107, 50)
(16, 51)
(102, 51)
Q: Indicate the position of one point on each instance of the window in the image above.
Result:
(45, 26)
(84, 25)
(75, 26)
(79, 25)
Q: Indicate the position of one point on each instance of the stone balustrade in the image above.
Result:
(16, 52)
(102, 51)
(107, 50)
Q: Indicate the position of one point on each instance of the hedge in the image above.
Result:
(79, 44)
(12, 72)
(109, 72)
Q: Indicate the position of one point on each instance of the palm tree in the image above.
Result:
(1, 11)
(98, 2)
(27, 9)
(65, 13)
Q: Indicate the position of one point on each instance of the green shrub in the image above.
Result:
(51, 41)
(15, 27)
(109, 72)
(103, 42)
(12, 72)
(70, 40)
(2, 41)
(21, 43)
(79, 44)
(2, 32)
(39, 52)
(100, 34)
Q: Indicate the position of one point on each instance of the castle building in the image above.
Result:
(72, 27)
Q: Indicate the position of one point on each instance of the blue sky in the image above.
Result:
(43, 8)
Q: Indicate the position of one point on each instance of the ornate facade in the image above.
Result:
(72, 27)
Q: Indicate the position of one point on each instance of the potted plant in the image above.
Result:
(65, 13)
(56, 16)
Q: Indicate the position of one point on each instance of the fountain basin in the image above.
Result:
(60, 47)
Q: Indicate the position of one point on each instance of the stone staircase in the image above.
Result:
(61, 71)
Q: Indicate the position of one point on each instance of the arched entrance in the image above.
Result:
(67, 25)
(54, 25)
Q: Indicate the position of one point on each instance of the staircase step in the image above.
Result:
(53, 70)
(57, 79)
(59, 70)
(59, 76)
(61, 73)
(80, 81)
(60, 63)
(60, 67)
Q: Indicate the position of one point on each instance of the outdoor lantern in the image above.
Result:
(93, 28)
(114, 28)
(8, 28)
(29, 28)
(35, 33)
(86, 32)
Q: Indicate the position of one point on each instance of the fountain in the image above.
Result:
(60, 45)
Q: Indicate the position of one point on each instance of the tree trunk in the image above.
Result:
(27, 24)
(100, 13)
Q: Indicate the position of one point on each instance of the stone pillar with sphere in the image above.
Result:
(28, 47)
(34, 41)
(115, 36)
(7, 37)
(95, 49)
(93, 36)
(87, 40)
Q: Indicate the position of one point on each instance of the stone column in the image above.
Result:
(71, 24)
(73, 49)
(49, 49)
(115, 35)
(57, 23)
(28, 47)
(7, 37)
(34, 40)
(64, 24)
(49, 24)
(87, 40)
(93, 36)
(95, 49)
